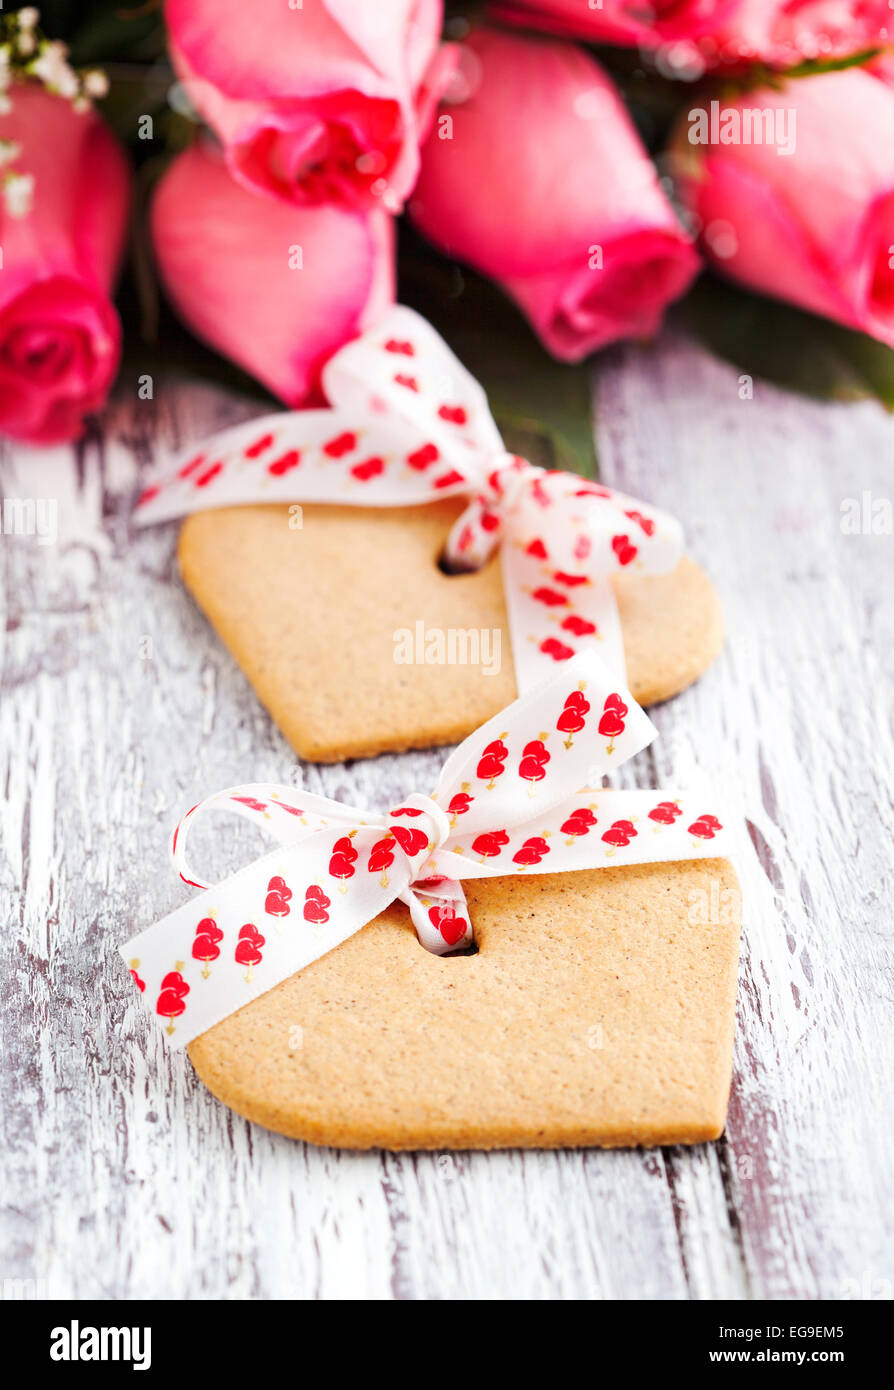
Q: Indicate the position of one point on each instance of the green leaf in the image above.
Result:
(812, 66)
(788, 346)
(112, 30)
(543, 407)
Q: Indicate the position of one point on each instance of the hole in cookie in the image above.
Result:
(446, 566)
(470, 950)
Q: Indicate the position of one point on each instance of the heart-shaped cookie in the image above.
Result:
(598, 1010)
(311, 615)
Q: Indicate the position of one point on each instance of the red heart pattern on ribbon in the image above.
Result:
(508, 801)
(406, 428)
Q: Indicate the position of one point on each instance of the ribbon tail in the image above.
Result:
(339, 456)
(555, 738)
(232, 943)
(551, 622)
(597, 828)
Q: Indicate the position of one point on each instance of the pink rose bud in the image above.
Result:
(618, 21)
(783, 33)
(326, 101)
(60, 338)
(276, 288)
(793, 190)
(692, 35)
(535, 175)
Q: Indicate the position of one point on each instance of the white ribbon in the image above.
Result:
(408, 425)
(508, 801)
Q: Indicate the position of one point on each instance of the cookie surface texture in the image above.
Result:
(311, 616)
(598, 1011)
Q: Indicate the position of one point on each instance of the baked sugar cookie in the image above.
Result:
(316, 617)
(598, 1010)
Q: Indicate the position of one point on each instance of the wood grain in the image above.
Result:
(122, 1177)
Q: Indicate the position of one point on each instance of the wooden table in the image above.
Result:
(122, 1177)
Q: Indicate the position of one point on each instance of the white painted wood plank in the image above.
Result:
(795, 720)
(123, 1177)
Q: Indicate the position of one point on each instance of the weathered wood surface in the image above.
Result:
(122, 1177)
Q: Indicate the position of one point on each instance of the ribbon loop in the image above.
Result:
(403, 369)
(509, 800)
(282, 813)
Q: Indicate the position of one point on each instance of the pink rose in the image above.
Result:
(277, 288)
(323, 102)
(537, 177)
(618, 21)
(715, 33)
(883, 68)
(59, 334)
(813, 225)
(783, 33)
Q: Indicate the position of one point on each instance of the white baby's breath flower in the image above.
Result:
(67, 84)
(51, 57)
(9, 150)
(18, 191)
(25, 52)
(96, 84)
(44, 65)
(52, 68)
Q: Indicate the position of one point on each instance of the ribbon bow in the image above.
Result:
(408, 425)
(508, 801)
